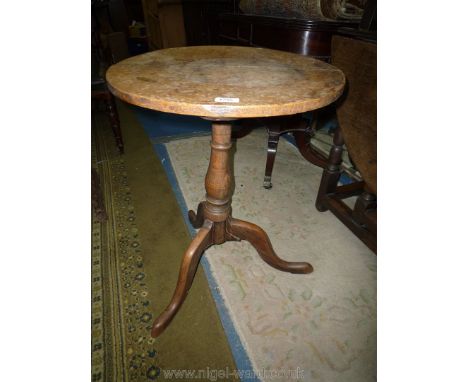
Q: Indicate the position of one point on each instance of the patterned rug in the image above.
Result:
(324, 323)
(122, 349)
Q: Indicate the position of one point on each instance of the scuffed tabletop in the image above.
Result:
(225, 81)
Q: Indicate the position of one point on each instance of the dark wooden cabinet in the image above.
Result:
(307, 37)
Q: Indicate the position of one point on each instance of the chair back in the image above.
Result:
(357, 108)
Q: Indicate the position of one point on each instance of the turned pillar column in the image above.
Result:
(219, 180)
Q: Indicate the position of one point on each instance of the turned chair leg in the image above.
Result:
(242, 230)
(302, 133)
(273, 139)
(115, 122)
(332, 172)
(365, 201)
(187, 272)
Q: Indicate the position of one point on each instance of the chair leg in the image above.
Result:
(115, 122)
(308, 152)
(366, 201)
(273, 139)
(332, 172)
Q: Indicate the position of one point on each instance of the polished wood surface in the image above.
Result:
(222, 84)
(302, 131)
(307, 37)
(226, 82)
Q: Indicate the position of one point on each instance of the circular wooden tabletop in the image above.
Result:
(225, 81)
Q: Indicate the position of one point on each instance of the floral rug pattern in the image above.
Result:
(323, 323)
(122, 349)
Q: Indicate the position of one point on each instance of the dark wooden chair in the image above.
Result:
(302, 129)
(307, 37)
(115, 51)
(357, 117)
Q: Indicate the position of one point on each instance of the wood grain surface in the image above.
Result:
(225, 81)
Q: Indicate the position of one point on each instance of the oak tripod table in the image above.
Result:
(221, 84)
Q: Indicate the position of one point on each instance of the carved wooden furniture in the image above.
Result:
(116, 50)
(357, 115)
(302, 129)
(306, 37)
(222, 84)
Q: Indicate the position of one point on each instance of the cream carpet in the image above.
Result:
(322, 324)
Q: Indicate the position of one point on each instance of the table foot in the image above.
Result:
(256, 236)
(217, 233)
(217, 226)
(190, 261)
(197, 219)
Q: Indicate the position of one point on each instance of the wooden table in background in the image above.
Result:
(221, 84)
